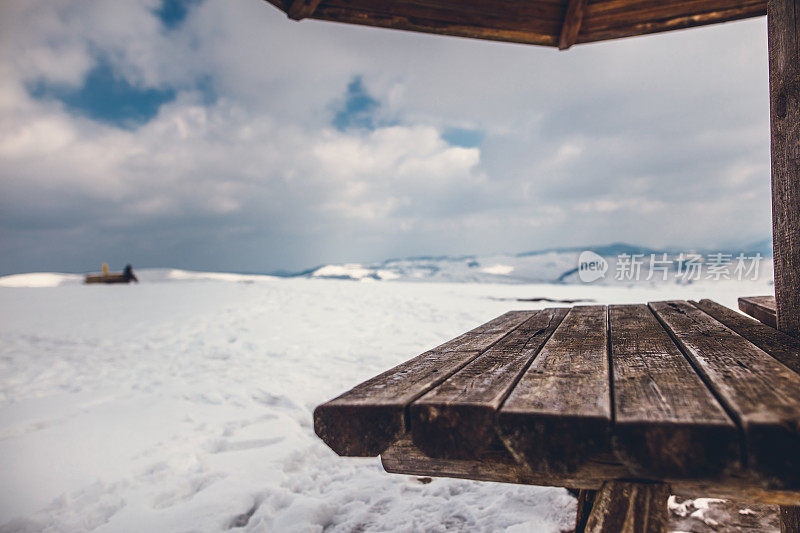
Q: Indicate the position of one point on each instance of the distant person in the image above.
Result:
(129, 275)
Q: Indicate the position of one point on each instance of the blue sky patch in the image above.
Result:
(172, 12)
(358, 110)
(466, 138)
(205, 86)
(107, 97)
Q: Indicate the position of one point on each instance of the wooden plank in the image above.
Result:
(458, 418)
(666, 421)
(762, 308)
(767, 302)
(779, 345)
(560, 411)
(628, 507)
(783, 30)
(572, 24)
(759, 392)
(592, 32)
(498, 15)
(533, 35)
(535, 22)
(369, 417)
(300, 9)
(611, 14)
(403, 457)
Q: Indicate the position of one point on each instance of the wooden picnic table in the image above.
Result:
(633, 401)
(635, 411)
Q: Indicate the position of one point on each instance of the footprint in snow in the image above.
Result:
(233, 427)
(236, 446)
(273, 400)
(186, 492)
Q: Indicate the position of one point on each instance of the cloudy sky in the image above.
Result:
(221, 135)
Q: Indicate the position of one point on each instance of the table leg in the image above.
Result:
(790, 519)
(585, 502)
(629, 507)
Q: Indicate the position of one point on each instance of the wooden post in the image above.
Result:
(585, 503)
(572, 24)
(783, 31)
(784, 92)
(628, 507)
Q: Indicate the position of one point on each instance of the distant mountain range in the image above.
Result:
(763, 247)
(552, 265)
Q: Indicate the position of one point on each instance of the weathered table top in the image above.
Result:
(691, 393)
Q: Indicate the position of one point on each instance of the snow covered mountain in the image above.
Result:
(624, 263)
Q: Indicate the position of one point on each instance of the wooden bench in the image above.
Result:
(632, 401)
(762, 308)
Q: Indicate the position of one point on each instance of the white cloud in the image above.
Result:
(642, 140)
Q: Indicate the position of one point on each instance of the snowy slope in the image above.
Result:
(186, 405)
(147, 275)
(40, 279)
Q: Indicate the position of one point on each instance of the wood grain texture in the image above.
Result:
(783, 37)
(528, 16)
(629, 507)
(572, 23)
(783, 29)
(560, 411)
(300, 9)
(283, 5)
(584, 509)
(457, 419)
(369, 417)
(597, 32)
(403, 457)
(539, 31)
(539, 22)
(779, 345)
(759, 392)
(623, 18)
(790, 518)
(762, 308)
(667, 422)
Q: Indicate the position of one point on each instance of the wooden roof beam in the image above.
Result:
(300, 9)
(572, 24)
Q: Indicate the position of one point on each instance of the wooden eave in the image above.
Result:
(559, 23)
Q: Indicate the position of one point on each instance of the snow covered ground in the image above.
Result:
(185, 404)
